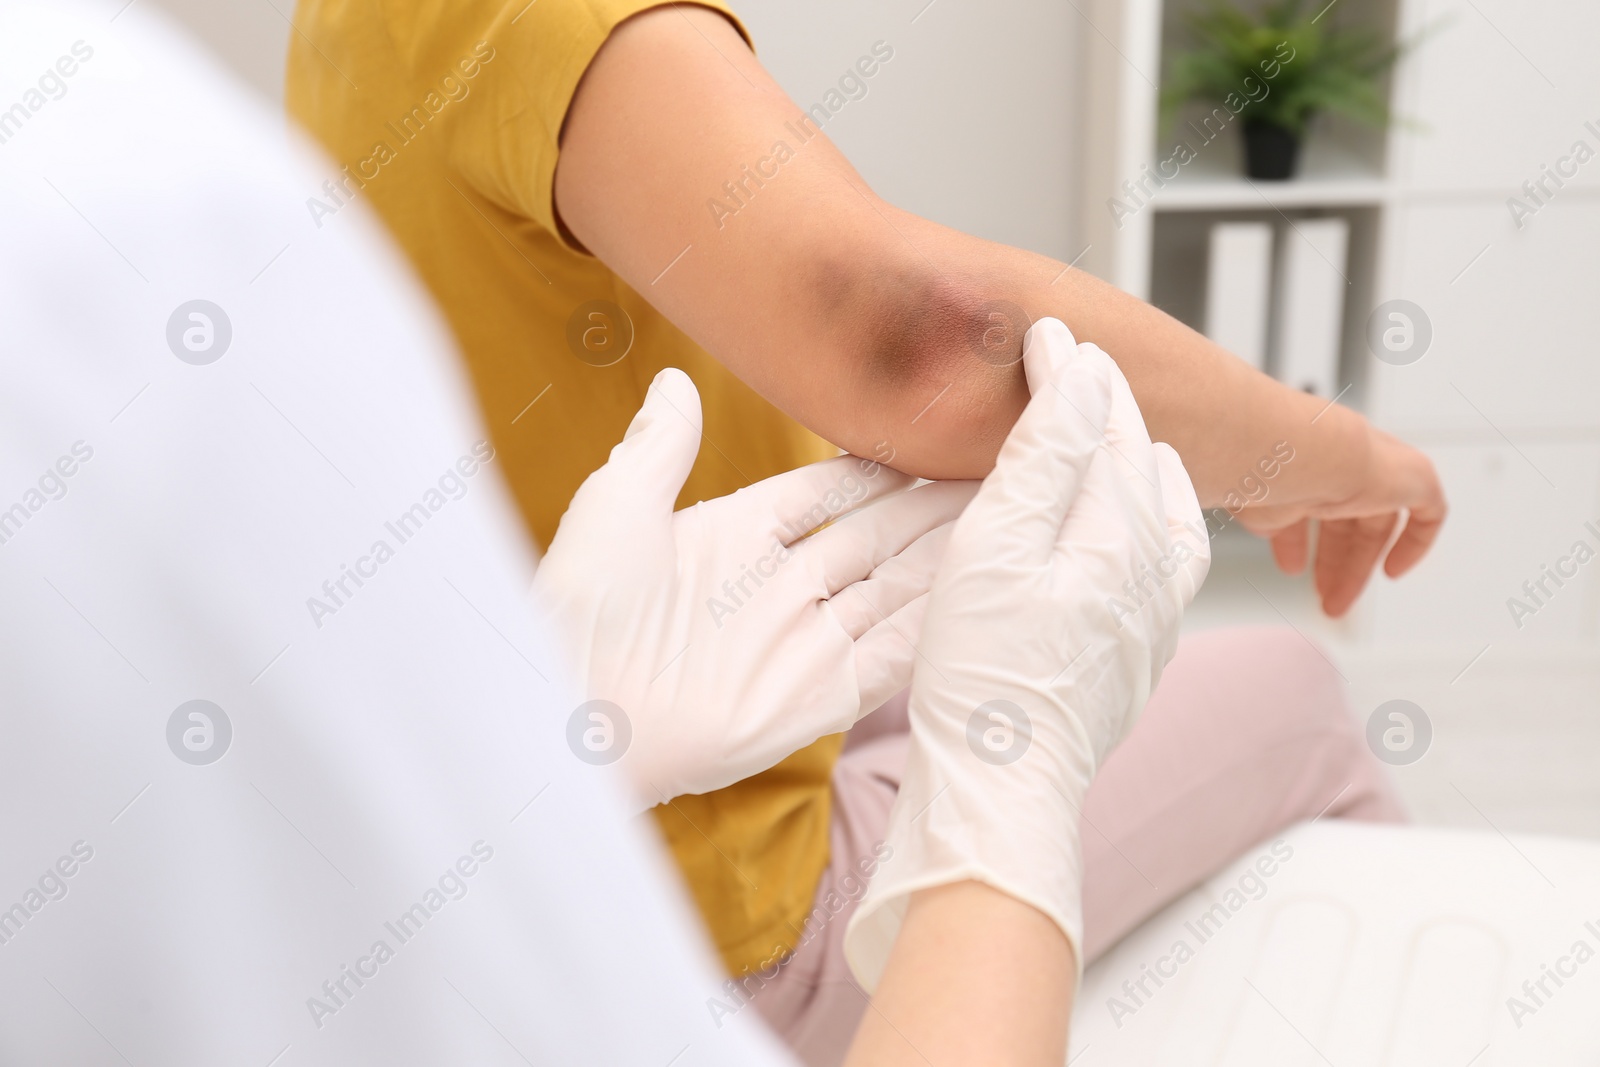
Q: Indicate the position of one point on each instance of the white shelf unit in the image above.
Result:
(1157, 251)
(1507, 400)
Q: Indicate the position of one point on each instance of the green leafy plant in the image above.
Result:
(1306, 65)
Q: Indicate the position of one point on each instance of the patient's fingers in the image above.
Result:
(1347, 552)
(1291, 546)
(857, 544)
(896, 582)
(885, 654)
(802, 500)
(1422, 528)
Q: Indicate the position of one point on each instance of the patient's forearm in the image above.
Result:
(975, 976)
(1222, 416)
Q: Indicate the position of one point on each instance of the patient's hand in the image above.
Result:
(727, 636)
(1357, 520)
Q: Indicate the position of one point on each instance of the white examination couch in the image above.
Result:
(1365, 946)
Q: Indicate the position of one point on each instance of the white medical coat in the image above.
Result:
(370, 842)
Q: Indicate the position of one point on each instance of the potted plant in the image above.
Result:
(1277, 71)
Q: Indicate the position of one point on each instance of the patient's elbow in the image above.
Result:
(941, 371)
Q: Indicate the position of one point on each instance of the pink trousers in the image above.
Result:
(1247, 734)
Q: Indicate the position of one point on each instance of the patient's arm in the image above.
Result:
(975, 976)
(867, 323)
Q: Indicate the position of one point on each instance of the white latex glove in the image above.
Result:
(720, 639)
(1036, 657)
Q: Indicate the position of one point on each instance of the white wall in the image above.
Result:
(1508, 397)
(1507, 402)
(251, 36)
(972, 123)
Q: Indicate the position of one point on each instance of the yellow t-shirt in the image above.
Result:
(445, 116)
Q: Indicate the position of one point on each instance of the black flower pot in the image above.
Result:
(1270, 151)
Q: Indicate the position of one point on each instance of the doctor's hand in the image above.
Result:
(1054, 611)
(725, 637)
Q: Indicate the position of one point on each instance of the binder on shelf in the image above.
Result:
(1238, 288)
(1310, 309)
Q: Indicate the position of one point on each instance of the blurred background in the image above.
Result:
(1439, 272)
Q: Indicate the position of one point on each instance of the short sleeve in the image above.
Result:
(507, 146)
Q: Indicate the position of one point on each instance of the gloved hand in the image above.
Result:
(723, 636)
(1054, 611)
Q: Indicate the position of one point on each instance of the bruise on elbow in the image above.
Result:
(940, 367)
(915, 326)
